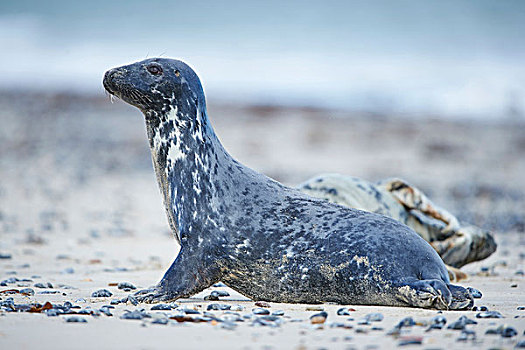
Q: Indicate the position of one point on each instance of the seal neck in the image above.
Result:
(188, 158)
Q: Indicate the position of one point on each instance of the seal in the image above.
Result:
(458, 244)
(265, 240)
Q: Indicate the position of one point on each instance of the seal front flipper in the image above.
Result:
(185, 277)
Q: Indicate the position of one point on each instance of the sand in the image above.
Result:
(80, 209)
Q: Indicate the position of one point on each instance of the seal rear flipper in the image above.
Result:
(461, 298)
(429, 294)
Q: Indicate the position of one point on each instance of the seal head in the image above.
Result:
(154, 84)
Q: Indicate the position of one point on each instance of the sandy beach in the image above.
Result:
(80, 210)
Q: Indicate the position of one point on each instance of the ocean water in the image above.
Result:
(449, 58)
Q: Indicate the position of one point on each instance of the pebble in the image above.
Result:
(509, 332)
(228, 326)
(341, 325)
(278, 313)
(271, 321)
(115, 302)
(132, 300)
(262, 304)
(520, 308)
(212, 297)
(237, 308)
(211, 315)
(374, 317)
(43, 285)
(222, 293)
(101, 293)
(10, 291)
(318, 318)
(481, 308)
(218, 307)
(183, 318)
(476, 294)
(188, 311)
(215, 293)
(76, 319)
(5, 256)
(106, 311)
(344, 311)
(461, 323)
(521, 344)
(27, 291)
(52, 312)
(219, 284)
(135, 315)
(261, 311)
(11, 280)
(504, 330)
(161, 307)
(406, 322)
(160, 321)
(126, 285)
(439, 320)
(489, 314)
(232, 317)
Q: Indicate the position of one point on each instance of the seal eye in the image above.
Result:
(154, 69)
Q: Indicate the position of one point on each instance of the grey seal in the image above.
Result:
(263, 239)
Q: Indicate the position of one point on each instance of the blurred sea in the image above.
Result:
(450, 58)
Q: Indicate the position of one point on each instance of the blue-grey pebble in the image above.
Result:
(101, 293)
